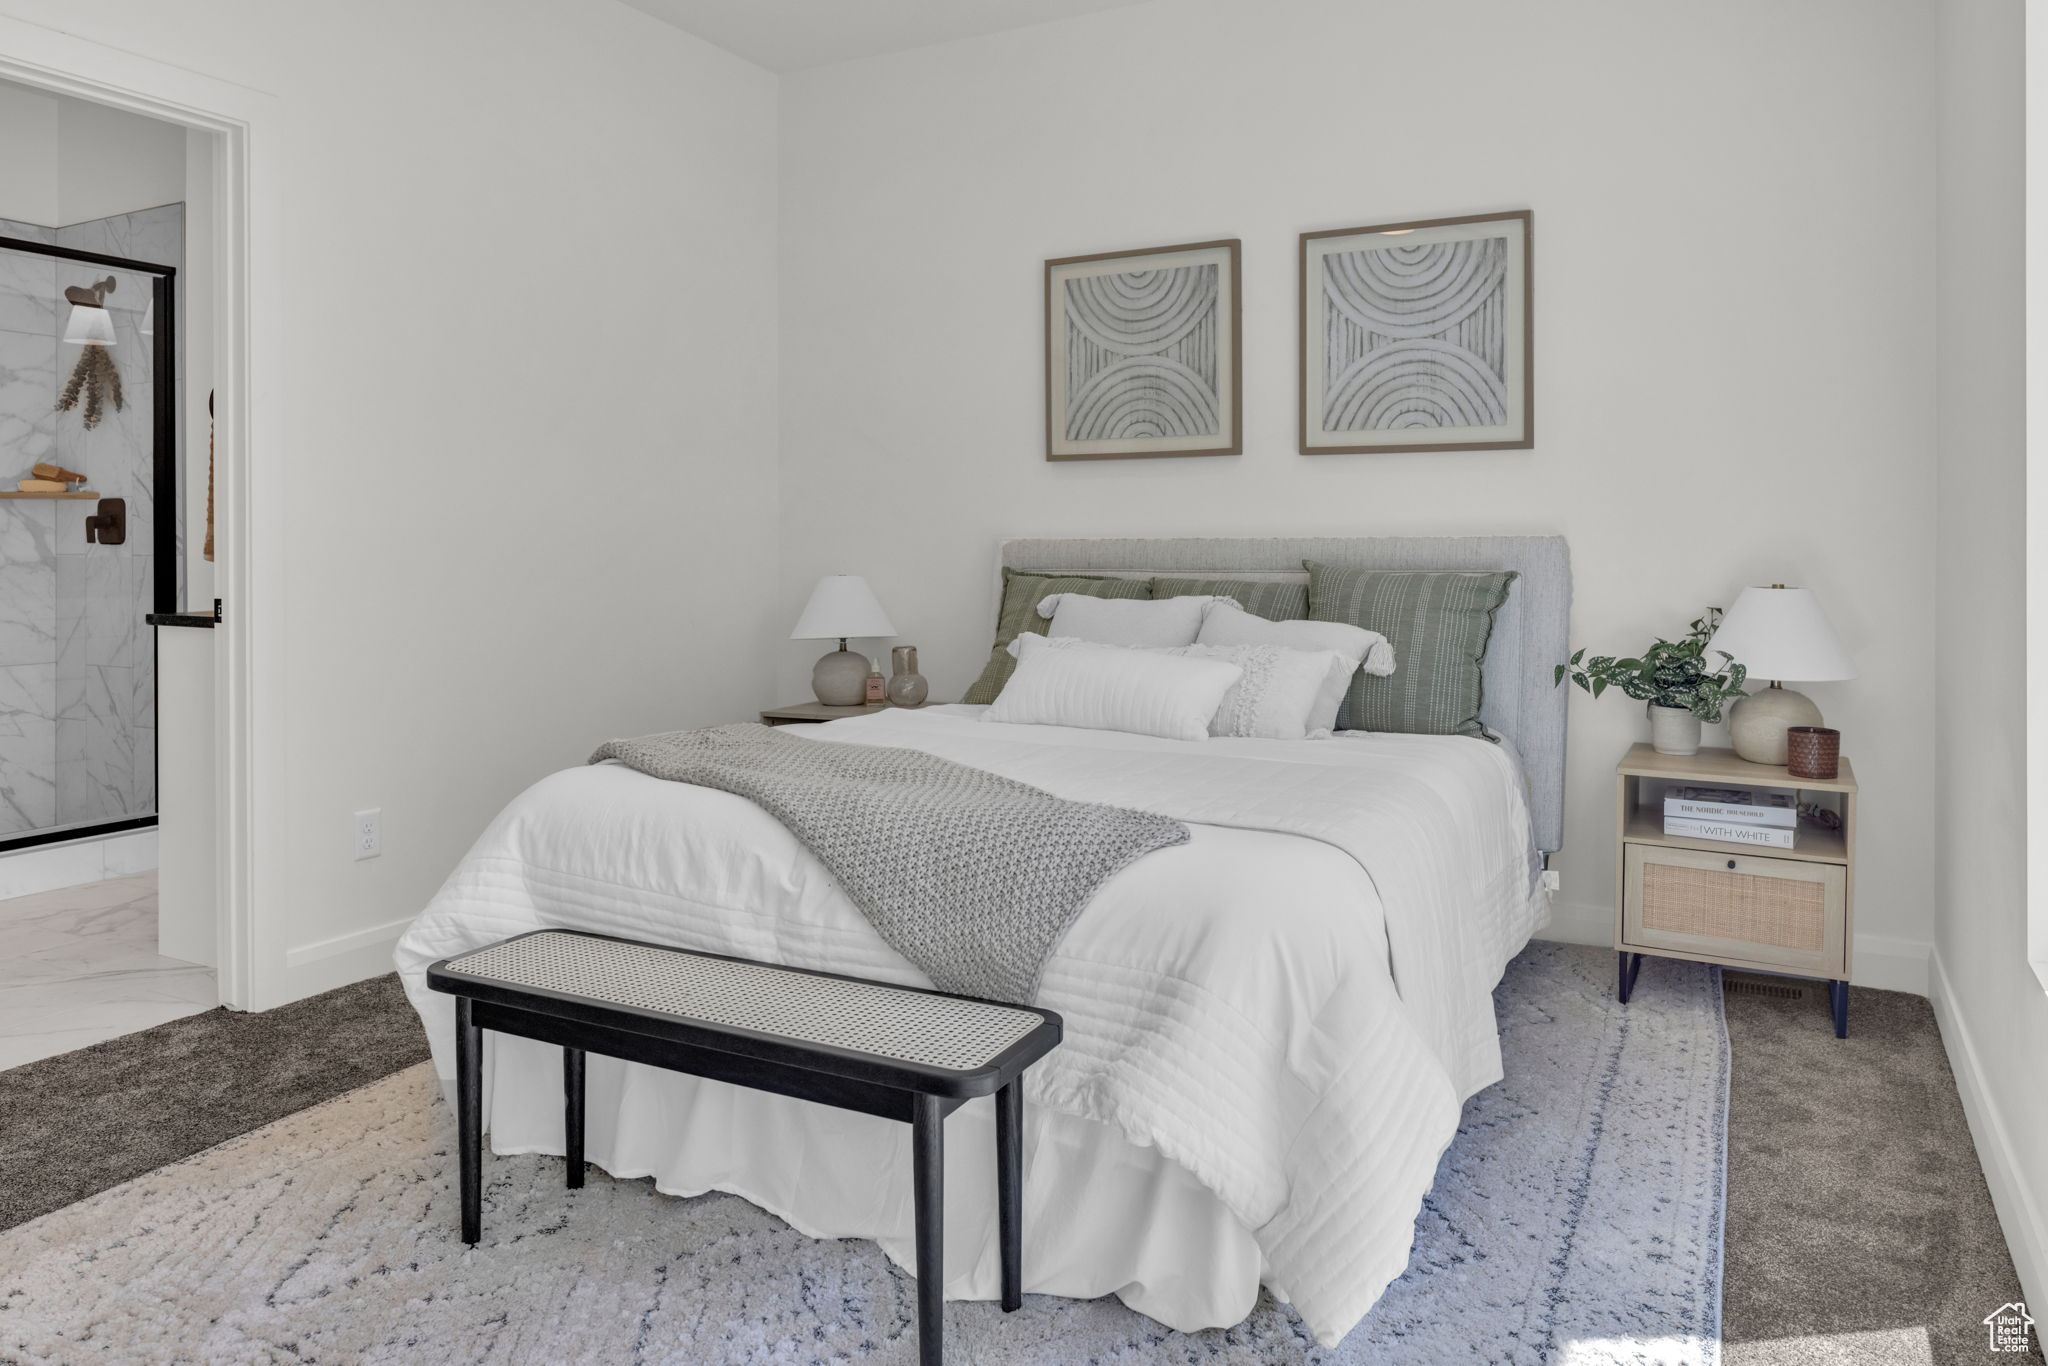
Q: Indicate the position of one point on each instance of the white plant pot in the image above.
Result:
(1674, 730)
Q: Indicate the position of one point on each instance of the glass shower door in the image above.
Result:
(82, 422)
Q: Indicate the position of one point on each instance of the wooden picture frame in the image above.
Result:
(1435, 343)
(1144, 353)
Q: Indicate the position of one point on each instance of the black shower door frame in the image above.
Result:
(163, 485)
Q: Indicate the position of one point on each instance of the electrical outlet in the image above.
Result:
(1553, 881)
(369, 832)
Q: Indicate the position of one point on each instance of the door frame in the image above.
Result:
(244, 124)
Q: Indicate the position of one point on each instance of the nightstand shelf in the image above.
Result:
(1815, 844)
(817, 713)
(1755, 907)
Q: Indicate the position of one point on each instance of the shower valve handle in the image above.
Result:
(108, 525)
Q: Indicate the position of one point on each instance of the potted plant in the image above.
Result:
(1681, 686)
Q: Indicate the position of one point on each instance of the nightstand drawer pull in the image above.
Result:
(1731, 865)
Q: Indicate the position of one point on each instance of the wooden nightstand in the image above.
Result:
(1785, 911)
(817, 713)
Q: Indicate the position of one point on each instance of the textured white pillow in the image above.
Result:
(1105, 687)
(1366, 650)
(1141, 623)
(1283, 693)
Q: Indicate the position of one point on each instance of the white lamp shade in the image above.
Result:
(89, 326)
(1781, 633)
(842, 605)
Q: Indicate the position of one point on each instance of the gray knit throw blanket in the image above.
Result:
(971, 876)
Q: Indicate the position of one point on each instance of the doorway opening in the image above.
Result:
(98, 544)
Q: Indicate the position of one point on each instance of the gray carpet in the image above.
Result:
(76, 1124)
(1575, 1219)
(1859, 1226)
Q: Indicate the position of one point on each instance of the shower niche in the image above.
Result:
(90, 386)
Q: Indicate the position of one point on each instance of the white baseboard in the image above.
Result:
(328, 963)
(74, 863)
(1579, 923)
(2019, 1211)
(387, 933)
(1890, 963)
(1882, 961)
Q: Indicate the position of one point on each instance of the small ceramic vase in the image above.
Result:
(1674, 730)
(907, 687)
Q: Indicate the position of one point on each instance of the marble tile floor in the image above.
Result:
(79, 965)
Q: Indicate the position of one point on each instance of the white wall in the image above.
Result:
(65, 160)
(1734, 215)
(519, 515)
(28, 156)
(187, 787)
(110, 161)
(1993, 1011)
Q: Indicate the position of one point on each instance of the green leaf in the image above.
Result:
(1599, 686)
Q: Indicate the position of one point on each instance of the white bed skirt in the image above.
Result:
(1102, 1216)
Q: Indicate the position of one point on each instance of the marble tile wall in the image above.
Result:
(29, 325)
(77, 661)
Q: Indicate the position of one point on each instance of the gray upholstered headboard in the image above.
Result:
(1530, 634)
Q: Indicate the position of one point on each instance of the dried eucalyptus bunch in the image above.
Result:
(95, 382)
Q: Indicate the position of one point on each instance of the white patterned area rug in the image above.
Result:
(1576, 1220)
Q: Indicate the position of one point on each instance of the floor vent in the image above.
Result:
(1770, 988)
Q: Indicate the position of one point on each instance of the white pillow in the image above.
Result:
(1282, 693)
(1141, 623)
(1367, 650)
(1103, 687)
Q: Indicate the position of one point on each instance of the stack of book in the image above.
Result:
(1734, 815)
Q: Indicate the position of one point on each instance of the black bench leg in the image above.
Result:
(1010, 1190)
(572, 1114)
(928, 1168)
(469, 1122)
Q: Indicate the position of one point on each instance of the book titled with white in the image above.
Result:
(1730, 832)
(1733, 804)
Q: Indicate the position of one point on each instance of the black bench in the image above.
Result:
(898, 1052)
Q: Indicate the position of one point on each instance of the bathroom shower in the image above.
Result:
(90, 393)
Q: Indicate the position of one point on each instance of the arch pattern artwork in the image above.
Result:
(1415, 337)
(1142, 361)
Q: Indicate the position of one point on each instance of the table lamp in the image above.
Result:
(841, 606)
(1777, 633)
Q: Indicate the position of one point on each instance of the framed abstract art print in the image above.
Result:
(1142, 353)
(1418, 336)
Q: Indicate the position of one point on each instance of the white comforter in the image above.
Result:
(1291, 1007)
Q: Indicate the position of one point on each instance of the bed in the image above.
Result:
(1270, 1029)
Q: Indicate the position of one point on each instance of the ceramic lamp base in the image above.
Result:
(840, 679)
(1757, 724)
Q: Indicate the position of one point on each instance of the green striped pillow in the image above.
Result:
(1022, 593)
(1438, 622)
(1273, 601)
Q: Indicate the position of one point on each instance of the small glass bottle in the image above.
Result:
(877, 690)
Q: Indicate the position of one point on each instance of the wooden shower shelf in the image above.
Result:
(17, 493)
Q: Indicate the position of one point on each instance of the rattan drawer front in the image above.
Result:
(1783, 912)
(1769, 911)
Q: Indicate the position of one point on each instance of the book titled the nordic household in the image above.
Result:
(1744, 805)
(1730, 832)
